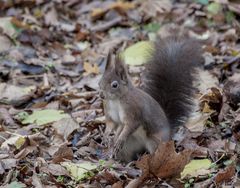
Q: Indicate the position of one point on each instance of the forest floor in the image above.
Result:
(52, 55)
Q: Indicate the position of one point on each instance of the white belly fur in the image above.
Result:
(115, 111)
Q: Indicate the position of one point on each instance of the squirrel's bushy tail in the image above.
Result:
(169, 76)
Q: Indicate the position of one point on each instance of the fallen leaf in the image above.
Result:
(7, 27)
(164, 163)
(42, 117)
(62, 153)
(138, 53)
(217, 145)
(81, 170)
(20, 142)
(6, 43)
(203, 2)
(118, 184)
(51, 17)
(55, 169)
(98, 12)
(235, 7)
(25, 151)
(36, 182)
(119, 6)
(107, 24)
(213, 98)
(122, 6)
(2, 170)
(6, 117)
(214, 8)
(12, 92)
(15, 184)
(156, 7)
(8, 163)
(225, 175)
(152, 27)
(207, 109)
(17, 141)
(196, 123)
(65, 127)
(232, 89)
(89, 68)
(18, 24)
(67, 59)
(196, 168)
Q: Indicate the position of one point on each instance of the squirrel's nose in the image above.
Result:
(101, 95)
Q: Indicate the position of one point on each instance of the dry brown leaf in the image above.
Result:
(23, 153)
(236, 127)
(210, 101)
(89, 68)
(206, 108)
(68, 59)
(6, 43)
(235, 7)
(2, 170)
(36, 181)
(55, 169)
(6, 117)
(198, 151)
(122, 6)
(164, 163)
(232, 89)
(65, 127)
(197, 121)
(51, 17)
(225, 175)
(6, 164)
(156, 7)
(12, 92)
(97, 13)
(217, 145)
(18, 23)
(119, 6)
(118, 184)
(63, 153)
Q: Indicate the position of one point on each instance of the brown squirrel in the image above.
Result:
(142, 118)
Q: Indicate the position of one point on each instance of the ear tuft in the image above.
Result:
(109, 60)
(120, 68)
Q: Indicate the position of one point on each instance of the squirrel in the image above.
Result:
(144, 117)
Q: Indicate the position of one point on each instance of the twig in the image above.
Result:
(106, 26)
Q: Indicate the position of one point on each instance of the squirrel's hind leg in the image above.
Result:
(131, 150)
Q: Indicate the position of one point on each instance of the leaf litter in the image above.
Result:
(51, 118)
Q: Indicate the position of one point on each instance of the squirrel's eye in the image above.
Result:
(114, 84)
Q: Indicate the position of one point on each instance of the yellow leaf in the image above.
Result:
(42, 117)
(97, 13)
(80, 171)
(118, 6)
(122, 6)
(20, 141)
(138, 53)
(196, 168)
(206, 108)
(89, 68)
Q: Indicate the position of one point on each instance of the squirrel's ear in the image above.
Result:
(120, 68)
(109, 60)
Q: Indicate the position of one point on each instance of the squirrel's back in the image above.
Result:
(169, 76)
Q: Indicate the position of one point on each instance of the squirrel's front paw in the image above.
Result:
(117, 147)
